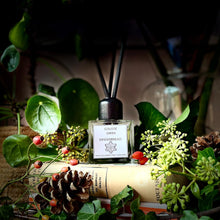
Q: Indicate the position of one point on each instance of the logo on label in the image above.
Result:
(110, 147)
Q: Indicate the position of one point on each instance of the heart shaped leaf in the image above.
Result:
(42, 114)
(15, 150)
(78, 102)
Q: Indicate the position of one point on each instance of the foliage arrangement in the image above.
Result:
(163, 143)
(169, 150)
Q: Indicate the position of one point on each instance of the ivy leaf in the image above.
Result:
(207, 152)
(91, 211)
(149, 116)
(10, 58)
(6, 212)
(15, 150)
(42, 114)
(186, 121)
(206, 202)
(195, 190)
(137, 214)
(78, 102)
(209, 188)
(189, 215)
(119, 200)
(151, 216)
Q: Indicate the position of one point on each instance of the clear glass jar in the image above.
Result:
(111, 141)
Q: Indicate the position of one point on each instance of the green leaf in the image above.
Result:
(119, 200)
(149, 116)
(10, 58)
(78, 102)
(18, 34)
(206, 202)
(42, 114)
(209, 188)
(46, 154)
(49, 90)
(15, 150)
(78, 46)
(207, 152)
(189, 215)
(195, 190)
(91, 211)
(6, 212)
(186, 122)
(205, 218)
(137, 214)
(151, 216)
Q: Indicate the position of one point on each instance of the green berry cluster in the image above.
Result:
(208, 170)
(175, 196)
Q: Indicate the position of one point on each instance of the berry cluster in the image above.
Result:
(138, 155)
(70, 144)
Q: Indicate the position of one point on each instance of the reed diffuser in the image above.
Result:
(111, 139)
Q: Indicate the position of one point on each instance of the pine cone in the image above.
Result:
(210, 140)
(71, 191)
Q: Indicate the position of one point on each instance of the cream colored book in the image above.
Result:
(110, 179)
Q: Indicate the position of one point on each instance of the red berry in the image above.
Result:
(143, 160)
(55, 177)
(65, 150)
(45, 217)
(137, 155)
(53, 202)
(37, 140)
(38, 164)
(74, 162)
(65, 169)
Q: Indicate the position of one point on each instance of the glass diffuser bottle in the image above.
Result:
(111, 139)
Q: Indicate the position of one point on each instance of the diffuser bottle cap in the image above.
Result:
(110, 108)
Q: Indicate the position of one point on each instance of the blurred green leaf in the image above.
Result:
(18, 34)
(10, 58)
(78, 102)
(48, 90)
(15, 150)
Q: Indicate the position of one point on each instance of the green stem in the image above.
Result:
(15, 180)
(182, 174)
(19, 122)
(13, 85)
(50, 163)
(38, 210)
(22, 177)
(52, 68)
(193, 181)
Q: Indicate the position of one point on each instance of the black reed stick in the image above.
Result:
(102, 78)
(112, 70)
(114, 92)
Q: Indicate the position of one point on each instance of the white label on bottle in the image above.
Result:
(110, 141)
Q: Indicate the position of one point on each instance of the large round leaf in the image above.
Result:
(10, 58)
(42, 114)
(78, 102)
(15, 150)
